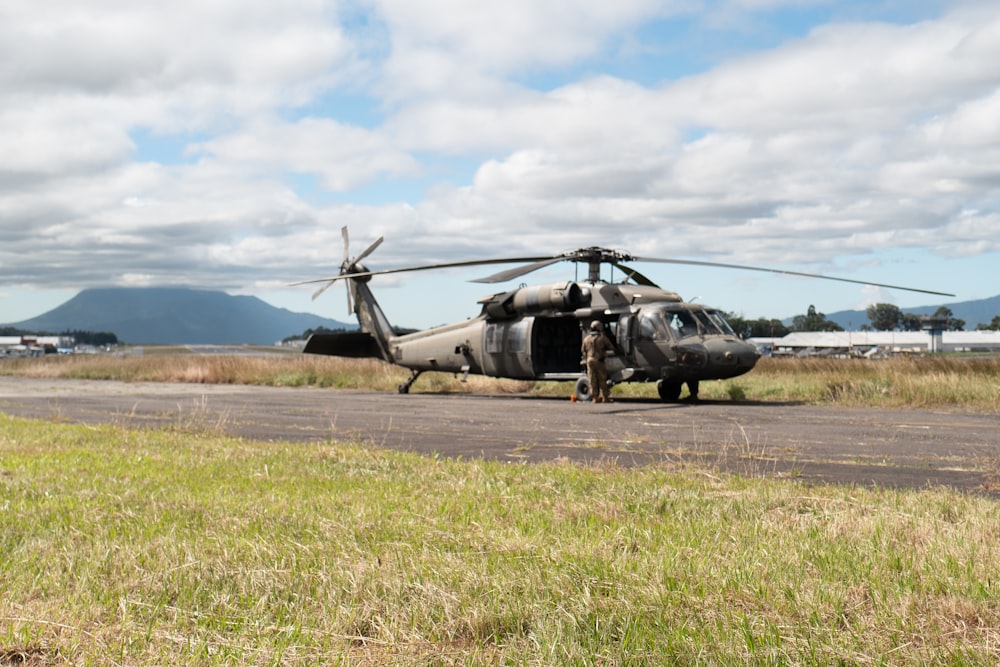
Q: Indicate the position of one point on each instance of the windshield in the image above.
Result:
(720, 322)
(709, 322)
(675, 322)
(653, 326)
(667, 325)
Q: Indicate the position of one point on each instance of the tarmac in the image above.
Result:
(905, 448)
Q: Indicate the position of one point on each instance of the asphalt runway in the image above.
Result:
(859, 446)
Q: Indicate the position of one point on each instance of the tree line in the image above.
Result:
(881, 317)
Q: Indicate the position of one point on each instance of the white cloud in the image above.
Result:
(856, 137)
(515, 35)
(850, 76)
(343, 156)
(74, 70)
(62, 135)
(112, 46)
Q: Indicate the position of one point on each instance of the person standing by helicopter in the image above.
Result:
(596, 346)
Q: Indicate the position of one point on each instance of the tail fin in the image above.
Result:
(370, 316)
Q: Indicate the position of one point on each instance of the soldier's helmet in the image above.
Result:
(596, 325)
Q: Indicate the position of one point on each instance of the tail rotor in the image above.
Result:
(349, 266)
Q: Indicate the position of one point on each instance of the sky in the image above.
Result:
(224, 144)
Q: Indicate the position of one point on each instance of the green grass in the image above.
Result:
(132, 547)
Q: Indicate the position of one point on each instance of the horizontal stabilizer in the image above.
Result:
(358, 344)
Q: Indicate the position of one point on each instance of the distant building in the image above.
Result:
(876, 343)
(33, 346)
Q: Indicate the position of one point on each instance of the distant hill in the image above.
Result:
(981, 311)
(176, 315)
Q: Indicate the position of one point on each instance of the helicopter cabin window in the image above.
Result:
(494, 338)
(517, 336)
(624, 332)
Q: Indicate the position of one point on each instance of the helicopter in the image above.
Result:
(535, 332)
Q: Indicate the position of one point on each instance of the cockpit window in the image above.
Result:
(676, 321)
(665, 325)
(720, 322)
(684, 324)
(653, 325)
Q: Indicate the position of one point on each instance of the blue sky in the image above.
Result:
(223, 146)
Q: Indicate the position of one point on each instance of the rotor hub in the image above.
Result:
(594, 257)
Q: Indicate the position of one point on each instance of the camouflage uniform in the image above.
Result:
(595, 348)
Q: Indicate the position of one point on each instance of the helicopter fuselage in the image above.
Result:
(535, 333)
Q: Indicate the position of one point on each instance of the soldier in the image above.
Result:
(595, 348)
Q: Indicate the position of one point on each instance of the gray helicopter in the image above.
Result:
(535, 332)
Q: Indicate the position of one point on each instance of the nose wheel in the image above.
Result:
(668, 390)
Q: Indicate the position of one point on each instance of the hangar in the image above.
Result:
(877, 343)
(34, 346)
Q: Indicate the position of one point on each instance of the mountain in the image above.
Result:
(980, 311)
(176, 315)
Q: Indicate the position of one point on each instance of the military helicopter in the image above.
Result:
(535, 332)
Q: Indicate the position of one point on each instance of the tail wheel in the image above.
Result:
(583, 391)
(669, 391)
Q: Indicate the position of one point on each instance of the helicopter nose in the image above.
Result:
(732, 352)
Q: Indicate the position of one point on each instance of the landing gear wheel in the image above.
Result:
(404, 388)
(669, 391)
(583, 392)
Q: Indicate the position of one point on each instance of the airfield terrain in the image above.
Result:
(863, 446)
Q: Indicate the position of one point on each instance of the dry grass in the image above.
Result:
(287, 369)
(928, 381)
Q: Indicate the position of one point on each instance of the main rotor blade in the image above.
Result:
(518, 271)
(428, 267)
(743, 267)
(634, 275)
(347, 243)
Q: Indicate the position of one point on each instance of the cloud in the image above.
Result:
(419, 121)
(109, 46)
(63, 136)
(510, 36)
(167, 67)
(342, 156)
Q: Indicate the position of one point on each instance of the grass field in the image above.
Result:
(125, 547)
(971, 383)
(180, 546)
